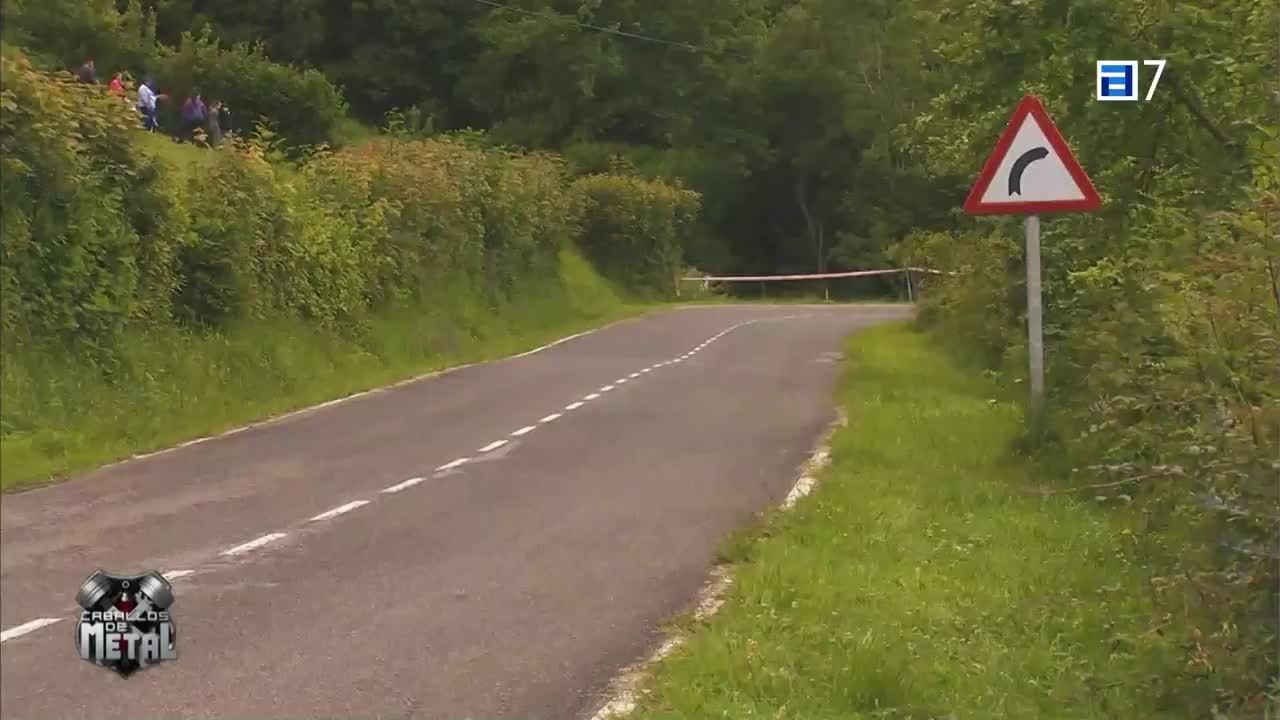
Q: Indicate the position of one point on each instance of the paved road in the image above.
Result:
(514, 583)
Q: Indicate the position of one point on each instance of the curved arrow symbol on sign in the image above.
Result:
(1020, 166)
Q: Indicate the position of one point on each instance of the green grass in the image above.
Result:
(920, 580)
(59, 416)
(183, 157)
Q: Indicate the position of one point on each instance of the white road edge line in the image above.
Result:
(253, 544)
(493, 445)
(592, 396)
(621, 381)
(524, 430)
(549, 418)
(175, 574)
(453, 464)
(26, 627)
(573, 406)
(404, 485)
(628, 687)
(606, 388)
(634, 375)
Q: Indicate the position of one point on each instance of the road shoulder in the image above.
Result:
(919, 578)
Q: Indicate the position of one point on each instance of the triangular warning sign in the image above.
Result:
(1031, 171)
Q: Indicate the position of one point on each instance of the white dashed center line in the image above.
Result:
(453, 464)
(404, 485)
(253, 544)
(26, 627)
(340, 510)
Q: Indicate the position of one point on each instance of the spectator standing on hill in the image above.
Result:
(117, 85)
(147, 105)
(194, 114)
(215, 123)
(87, 73)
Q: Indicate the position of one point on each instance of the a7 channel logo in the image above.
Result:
(125, 623)
(1117, 80)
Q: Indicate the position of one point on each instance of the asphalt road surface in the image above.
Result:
(505, 537)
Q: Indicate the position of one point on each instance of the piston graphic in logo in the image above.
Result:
(125, 623)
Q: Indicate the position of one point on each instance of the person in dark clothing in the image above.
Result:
(194, 114)
(87, 73)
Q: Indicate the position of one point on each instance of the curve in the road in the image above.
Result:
(479, 587)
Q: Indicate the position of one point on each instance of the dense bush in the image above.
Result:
(303, 105)
(634, 229)
(64, 33)
(88, 228)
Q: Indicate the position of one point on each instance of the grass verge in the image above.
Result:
(60, 415)
(920, 580)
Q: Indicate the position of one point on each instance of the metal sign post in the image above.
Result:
(1035, 329)
(1030, 172)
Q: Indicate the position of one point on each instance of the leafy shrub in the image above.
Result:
(301, 104)
(64, 33)
(89, 230)
(440, 208)
(634, 229)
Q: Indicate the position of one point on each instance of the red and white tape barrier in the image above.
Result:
(813, 276)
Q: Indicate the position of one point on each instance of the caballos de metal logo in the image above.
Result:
(125, 623)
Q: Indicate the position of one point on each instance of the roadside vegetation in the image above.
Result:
(1161, 445)
(931, 574)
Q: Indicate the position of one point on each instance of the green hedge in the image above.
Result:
(88, 227)
(98, 236)
(634, 229)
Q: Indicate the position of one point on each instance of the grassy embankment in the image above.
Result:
(925, 579)
(184, 385)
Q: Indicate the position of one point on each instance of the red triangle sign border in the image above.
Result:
(1030, 105)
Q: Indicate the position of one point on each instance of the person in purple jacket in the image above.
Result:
(194, 114)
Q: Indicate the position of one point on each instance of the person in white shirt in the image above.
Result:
(147, 105)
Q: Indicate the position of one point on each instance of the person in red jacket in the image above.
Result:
(117, 85)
